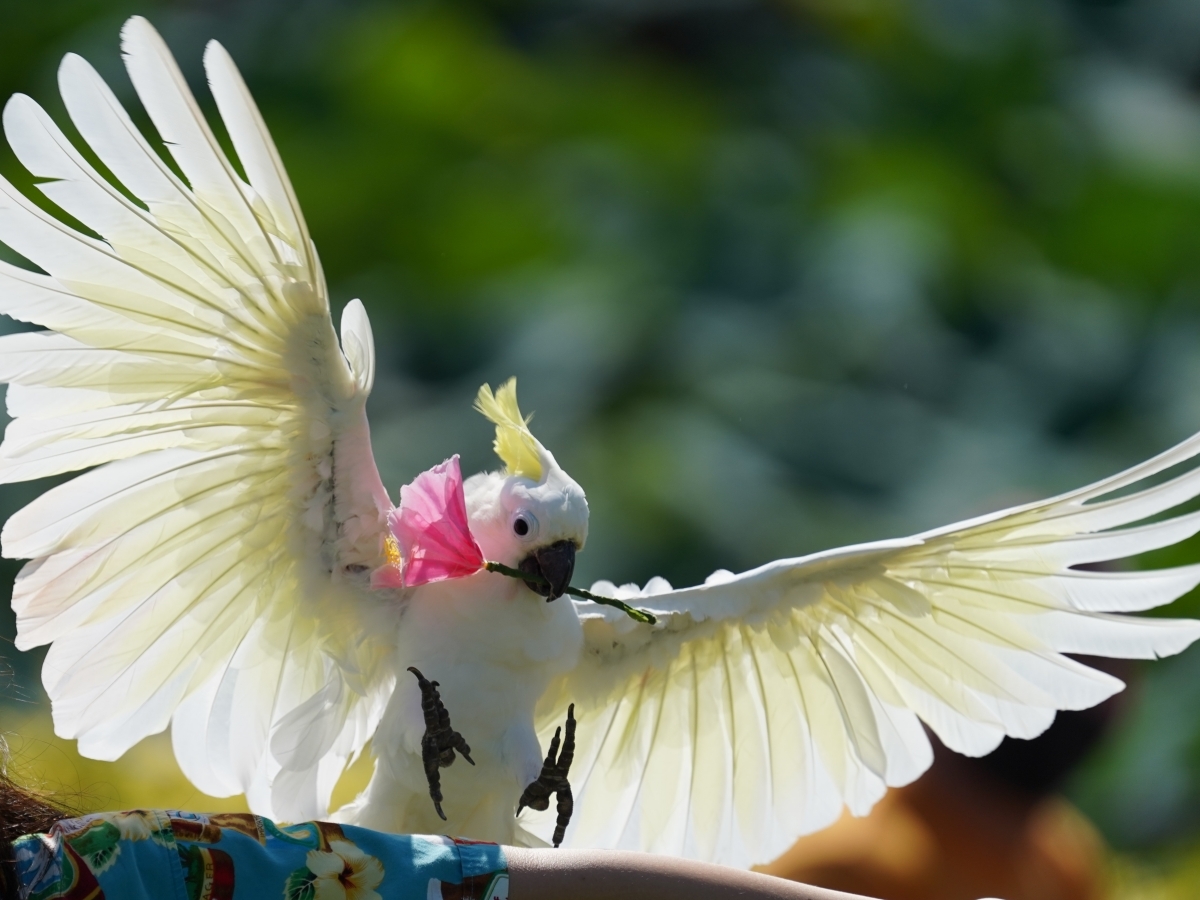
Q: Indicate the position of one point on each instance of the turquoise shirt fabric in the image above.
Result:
(172, 855)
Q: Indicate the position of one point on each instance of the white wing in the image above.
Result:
(211, 569)
(761, 703)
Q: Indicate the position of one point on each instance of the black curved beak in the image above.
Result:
(555, 563)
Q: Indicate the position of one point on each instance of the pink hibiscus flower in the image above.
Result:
(430, 525)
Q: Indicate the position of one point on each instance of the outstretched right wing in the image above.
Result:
(212, 567)
(761, 703)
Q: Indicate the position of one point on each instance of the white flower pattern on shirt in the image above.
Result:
(344, 873)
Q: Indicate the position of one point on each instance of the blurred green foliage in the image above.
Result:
(775, 276)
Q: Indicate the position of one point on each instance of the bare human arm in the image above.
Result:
(604, 874)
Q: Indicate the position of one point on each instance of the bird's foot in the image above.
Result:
(439, 741)
(553, 780)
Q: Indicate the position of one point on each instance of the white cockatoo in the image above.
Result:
(231, 566)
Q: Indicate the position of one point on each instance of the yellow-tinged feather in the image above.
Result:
(192, 367)
(515, 444)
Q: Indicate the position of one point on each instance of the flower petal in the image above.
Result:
(368, 875)
(324, 864)
(431, 527)
(348, 851)
(329, 889)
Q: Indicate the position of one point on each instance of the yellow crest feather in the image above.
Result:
(515, 443)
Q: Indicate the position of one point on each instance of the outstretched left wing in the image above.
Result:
(211, 568)
(760, 703)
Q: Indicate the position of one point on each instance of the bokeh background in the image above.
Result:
(775, 276)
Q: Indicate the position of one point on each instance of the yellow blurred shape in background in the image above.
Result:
(145, 777)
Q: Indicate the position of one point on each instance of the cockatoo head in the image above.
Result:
(532, 516)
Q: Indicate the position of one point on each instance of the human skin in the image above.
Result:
(604, 874)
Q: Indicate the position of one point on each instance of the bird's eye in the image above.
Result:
(524, 525)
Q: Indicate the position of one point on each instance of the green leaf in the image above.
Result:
(299, 885)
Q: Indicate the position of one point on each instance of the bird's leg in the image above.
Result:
(553, 779)
(439, 741)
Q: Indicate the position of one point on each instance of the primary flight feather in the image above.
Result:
(232, 567)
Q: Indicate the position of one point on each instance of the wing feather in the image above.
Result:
(121, 148)
(760, 704)
(254, 147)
(176, 116)
(209, 569)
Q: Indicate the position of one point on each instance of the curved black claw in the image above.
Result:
(439, 741)
(553, 780)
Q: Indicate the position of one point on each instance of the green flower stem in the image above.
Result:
(638, 615)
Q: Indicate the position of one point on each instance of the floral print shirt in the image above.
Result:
(171, 855)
